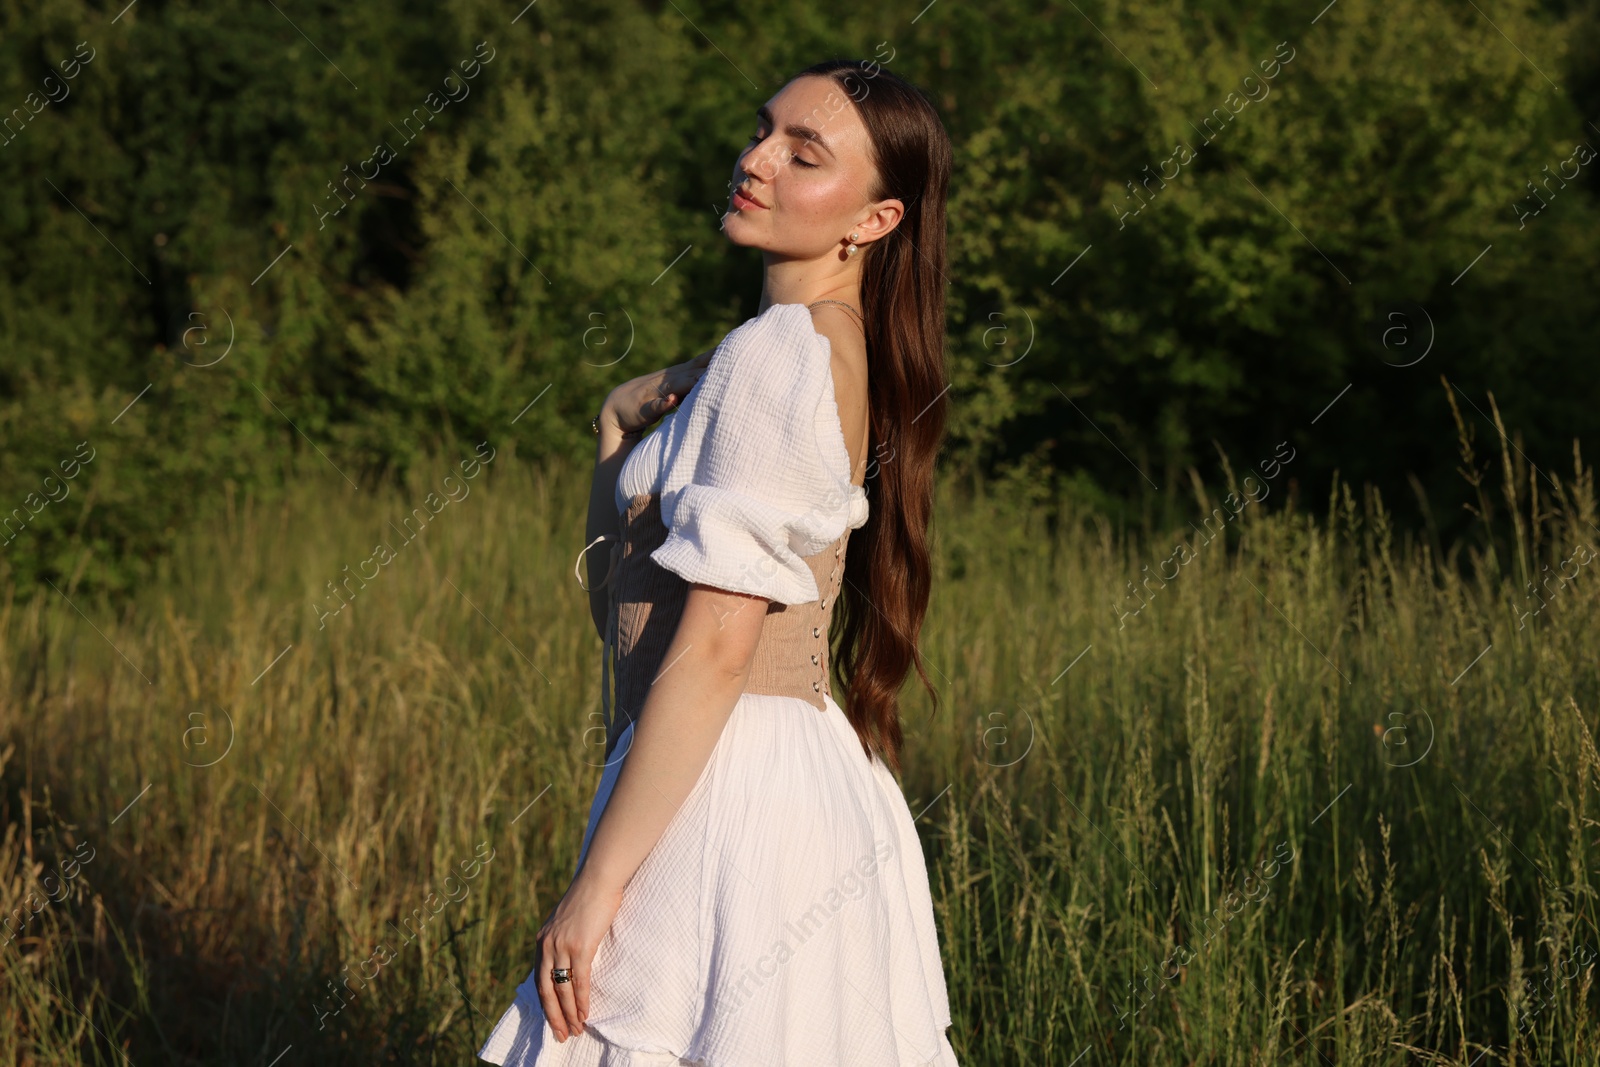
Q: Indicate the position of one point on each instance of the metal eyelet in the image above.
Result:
(815, 660)
(824, 601)
(816, 687)
(816, 631)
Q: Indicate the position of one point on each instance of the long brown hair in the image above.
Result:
(887, 572)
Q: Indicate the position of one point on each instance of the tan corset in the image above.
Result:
(646, 601)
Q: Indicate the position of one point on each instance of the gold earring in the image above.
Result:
(852, 249)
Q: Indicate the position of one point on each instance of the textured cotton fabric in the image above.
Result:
(753, 470)
(784, 918)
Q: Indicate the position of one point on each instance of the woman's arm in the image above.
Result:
(629, 410)
(707, 666)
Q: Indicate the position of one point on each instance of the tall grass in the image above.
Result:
(1380, 727)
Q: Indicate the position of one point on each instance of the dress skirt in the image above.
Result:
(783, 920)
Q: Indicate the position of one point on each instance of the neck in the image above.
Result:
(794, 281)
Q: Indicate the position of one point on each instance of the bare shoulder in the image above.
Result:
(849, 366)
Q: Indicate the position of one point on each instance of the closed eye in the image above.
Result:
(754, 137)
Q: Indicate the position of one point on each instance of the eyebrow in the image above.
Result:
(795, 130)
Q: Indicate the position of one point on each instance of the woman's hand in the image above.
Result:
(635, 405)
(570, 938)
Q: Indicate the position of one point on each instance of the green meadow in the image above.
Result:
(1326, 798)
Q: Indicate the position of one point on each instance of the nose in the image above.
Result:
(760, 162)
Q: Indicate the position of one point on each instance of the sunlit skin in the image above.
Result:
(810, 162)
(815, 197)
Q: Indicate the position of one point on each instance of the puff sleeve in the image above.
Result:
(757, 476)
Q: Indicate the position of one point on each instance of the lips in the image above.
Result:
(744, 199)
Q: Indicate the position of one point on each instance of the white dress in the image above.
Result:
(784, 918)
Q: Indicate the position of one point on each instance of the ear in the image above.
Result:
(885, 216)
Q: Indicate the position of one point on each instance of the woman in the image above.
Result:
(751, 889)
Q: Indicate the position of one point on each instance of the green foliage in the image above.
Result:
(548, 228)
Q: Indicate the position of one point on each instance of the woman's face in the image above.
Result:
(809, 170)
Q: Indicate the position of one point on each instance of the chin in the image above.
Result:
(732, 228)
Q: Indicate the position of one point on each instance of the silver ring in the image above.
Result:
(559, 975)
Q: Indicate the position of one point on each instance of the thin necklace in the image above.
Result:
(850, 308)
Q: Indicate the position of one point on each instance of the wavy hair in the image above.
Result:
(887, 572)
